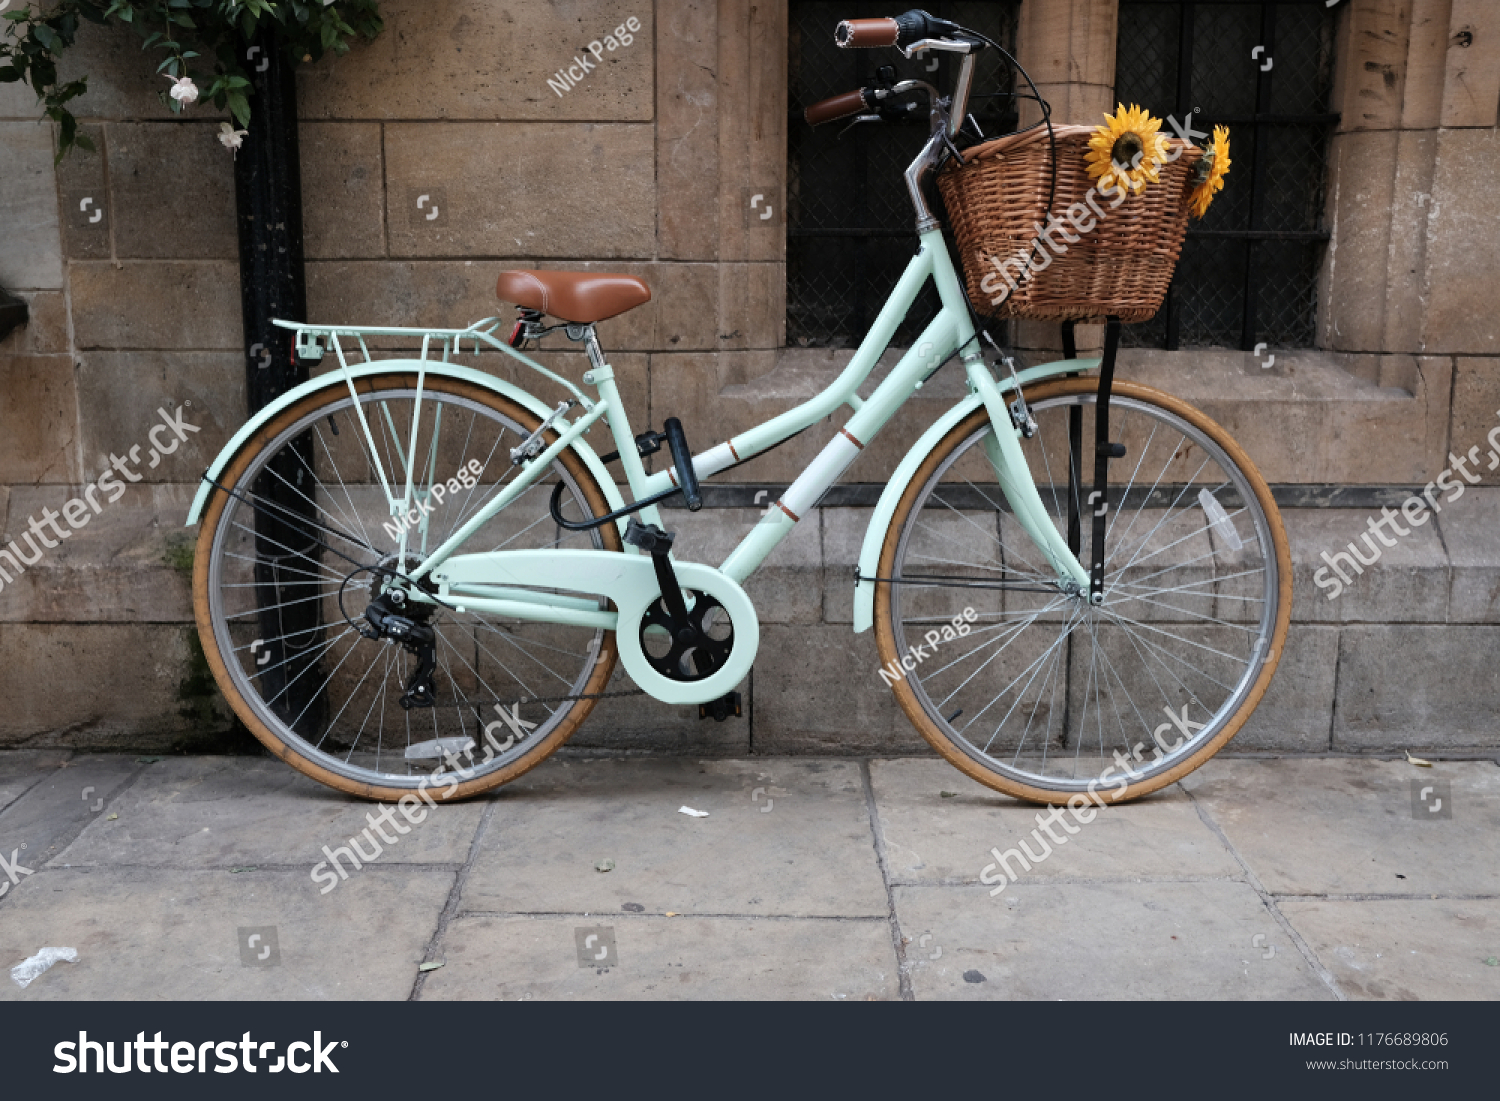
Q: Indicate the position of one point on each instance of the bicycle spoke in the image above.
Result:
(332, 694)
(1051, 687)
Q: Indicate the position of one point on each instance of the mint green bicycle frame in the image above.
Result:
(511, 583)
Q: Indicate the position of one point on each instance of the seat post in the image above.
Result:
(591, 345)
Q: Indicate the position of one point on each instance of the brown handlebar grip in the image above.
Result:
(836, 107)
(859, 34)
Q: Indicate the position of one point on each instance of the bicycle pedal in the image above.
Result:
(731, 703)
(648, 537)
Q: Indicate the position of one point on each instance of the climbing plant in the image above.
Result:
(203, 44)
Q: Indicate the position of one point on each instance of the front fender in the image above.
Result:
(386, 366)
(869, 555)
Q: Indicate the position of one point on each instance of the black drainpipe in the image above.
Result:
(273, 284)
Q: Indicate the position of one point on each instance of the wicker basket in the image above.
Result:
(997, 203)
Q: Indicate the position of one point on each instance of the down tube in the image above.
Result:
(932, 348)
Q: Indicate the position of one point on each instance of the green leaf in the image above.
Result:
(46, 36)
(239, 107)
(71, 90)
(84, 142)
(9, 74)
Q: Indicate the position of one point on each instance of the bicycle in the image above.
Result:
(416, 545)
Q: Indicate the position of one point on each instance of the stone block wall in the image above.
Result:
(127, 258)
(1412, 267)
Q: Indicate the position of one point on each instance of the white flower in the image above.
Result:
(231, 138)
(184, 91)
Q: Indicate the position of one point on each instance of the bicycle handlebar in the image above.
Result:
(912, 26)
(859, 34)
(838, 107)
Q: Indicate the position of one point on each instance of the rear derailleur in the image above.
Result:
(392, 617)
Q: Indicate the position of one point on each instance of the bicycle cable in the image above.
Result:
(1046, 120)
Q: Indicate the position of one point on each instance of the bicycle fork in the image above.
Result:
(1013, 473)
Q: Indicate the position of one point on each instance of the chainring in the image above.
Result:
(696, 651)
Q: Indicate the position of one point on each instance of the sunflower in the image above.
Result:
(1209, 173)
(1127, 151)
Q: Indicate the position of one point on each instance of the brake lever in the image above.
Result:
(884, 113)
(857, 120)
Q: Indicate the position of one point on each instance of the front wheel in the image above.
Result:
(1032, 690)
(307, 539)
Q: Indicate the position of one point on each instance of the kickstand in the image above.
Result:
(1104, 450)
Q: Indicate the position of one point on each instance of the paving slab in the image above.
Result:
(23, 769)
(1346, 826)
(68, 796)
(930, 838)
(146, 934)
(223, 812)
(1141, 941)
(785, 837)
(1404, 949)
(499, 957)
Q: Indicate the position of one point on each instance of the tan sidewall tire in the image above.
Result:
(885, 634)
(268, 737)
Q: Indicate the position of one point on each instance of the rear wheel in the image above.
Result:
(288, 561)
(1034, 691)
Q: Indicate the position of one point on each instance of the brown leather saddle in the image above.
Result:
(576, 296)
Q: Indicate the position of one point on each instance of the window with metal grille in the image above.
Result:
(1248, 271)
(850, 226)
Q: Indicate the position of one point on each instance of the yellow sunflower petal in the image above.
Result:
(1218, 167)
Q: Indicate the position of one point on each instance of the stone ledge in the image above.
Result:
(1314, 417)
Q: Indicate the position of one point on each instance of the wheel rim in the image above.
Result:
(345, 716)
(1046, 687)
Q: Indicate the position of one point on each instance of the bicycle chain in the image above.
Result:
(479, 704)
